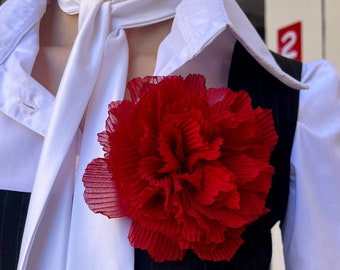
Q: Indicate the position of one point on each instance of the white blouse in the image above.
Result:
(42, 151)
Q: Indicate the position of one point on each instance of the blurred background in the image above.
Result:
(300, 29)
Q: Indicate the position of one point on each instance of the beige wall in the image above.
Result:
(332, 32)
(320, 26)
(280, 13)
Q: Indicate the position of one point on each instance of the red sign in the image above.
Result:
(289, 41)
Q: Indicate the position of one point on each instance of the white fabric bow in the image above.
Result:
(102, 36)
(129, 13)
(94, 76)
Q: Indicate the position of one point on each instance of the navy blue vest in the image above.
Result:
(13, 210)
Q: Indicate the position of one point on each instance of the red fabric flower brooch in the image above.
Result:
(188, 165)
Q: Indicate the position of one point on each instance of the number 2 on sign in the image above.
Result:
(289, 41)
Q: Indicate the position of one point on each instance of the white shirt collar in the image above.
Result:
(198, 22)
(16, 18)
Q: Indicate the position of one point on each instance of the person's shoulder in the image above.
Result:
(322, 99)
(319, 71)
(321, 76)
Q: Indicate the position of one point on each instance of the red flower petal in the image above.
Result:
(216, 179)
(100, 191)
(221, 252)
(159, 247)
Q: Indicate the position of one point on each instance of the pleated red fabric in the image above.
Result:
(189, 165)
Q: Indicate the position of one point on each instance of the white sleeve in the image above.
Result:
(311, 232)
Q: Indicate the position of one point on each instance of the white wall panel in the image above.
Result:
(332, 32)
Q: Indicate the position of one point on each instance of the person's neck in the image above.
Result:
(146, 39)
(143, 47)
(57, 33)
(57, 29)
